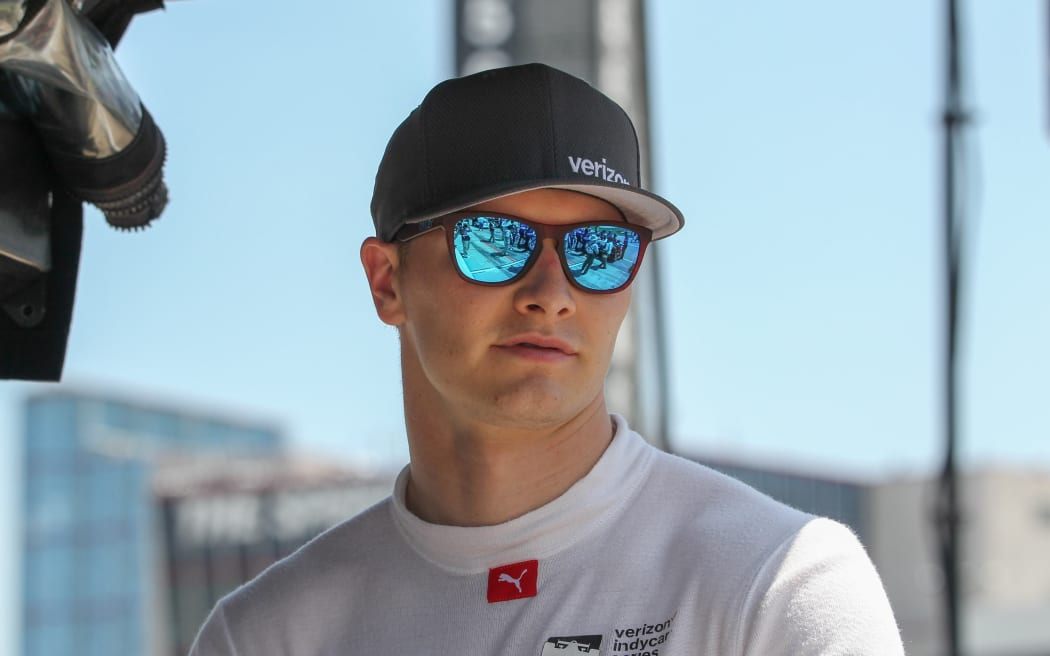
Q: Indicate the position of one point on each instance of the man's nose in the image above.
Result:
(545, 287)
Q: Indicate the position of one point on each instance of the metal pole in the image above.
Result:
(955, 119)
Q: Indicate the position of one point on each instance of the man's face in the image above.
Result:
(531, 354)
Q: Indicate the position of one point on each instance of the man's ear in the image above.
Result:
(380, 260)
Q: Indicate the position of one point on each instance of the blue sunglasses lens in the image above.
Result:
(495, 250)
(602, 257)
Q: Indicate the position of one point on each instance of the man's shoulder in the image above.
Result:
(689, 497)
(716, 497)
(714, 516)
(768, 561)
(279, 605)
(330, 559)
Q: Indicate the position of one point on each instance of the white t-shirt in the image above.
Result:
(647, 554)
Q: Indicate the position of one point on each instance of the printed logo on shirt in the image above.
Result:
(643, 640)
(562, 646)
(514, 581)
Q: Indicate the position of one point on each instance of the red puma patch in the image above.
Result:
(514, 581)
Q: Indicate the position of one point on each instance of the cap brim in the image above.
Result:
(638, 206)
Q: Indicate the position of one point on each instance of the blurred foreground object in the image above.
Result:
(72, 129)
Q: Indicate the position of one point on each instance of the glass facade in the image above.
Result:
(89, 524)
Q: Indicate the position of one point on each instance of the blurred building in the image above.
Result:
(223, 523)
(137, 516)
(1005, 561)
(88, 561)
(1005, 552)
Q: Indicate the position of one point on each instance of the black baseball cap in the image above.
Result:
(508, 130)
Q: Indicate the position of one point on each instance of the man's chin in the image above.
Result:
(538, 405)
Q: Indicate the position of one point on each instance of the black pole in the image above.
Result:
(955, 119)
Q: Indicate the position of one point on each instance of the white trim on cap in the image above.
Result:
(638, 206)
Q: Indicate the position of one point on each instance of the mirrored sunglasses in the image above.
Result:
(497, 249)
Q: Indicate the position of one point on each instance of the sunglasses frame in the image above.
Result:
(544, 231)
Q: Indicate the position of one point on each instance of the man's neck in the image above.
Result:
(478, 475)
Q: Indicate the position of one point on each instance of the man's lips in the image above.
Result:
(538, 345)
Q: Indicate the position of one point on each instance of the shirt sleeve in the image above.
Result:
(213, 639)
(818, 594)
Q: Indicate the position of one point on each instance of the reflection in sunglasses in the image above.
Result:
(493, 249)
(502, 248)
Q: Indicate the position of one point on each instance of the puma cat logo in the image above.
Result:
(507, 578)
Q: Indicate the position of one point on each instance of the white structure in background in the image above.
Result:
(602, 41)
(1005, 561)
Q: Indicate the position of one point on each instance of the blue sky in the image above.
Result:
(801, 140)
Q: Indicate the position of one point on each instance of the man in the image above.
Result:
(591, 249)
(464, 235)
(530, 520)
